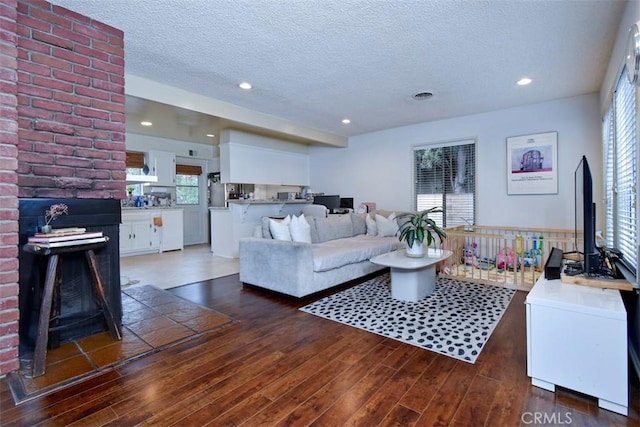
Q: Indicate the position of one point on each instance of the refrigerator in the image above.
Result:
(217, 191)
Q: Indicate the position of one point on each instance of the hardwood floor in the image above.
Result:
(280, 366)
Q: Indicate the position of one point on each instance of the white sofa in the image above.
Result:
(339, 251)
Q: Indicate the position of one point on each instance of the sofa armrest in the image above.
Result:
(281, 266)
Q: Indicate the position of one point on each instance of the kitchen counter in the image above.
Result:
(242, 217)
(268, 201)
(148, 208)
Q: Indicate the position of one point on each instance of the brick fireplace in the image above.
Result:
(62, 127)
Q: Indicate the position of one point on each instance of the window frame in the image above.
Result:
(197, 187)
(443, 220)
(612, 145)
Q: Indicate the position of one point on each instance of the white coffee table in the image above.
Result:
(412, 279)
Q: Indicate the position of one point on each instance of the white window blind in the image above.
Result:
(621, 169)
(608, 151)
(445, 176)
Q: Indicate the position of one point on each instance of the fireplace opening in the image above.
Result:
(75, 297)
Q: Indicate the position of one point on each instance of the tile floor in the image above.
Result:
(152, 318)
(170, 269)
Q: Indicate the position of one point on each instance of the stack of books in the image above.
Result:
(66, 237)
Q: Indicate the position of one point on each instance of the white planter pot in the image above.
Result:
(416, 250)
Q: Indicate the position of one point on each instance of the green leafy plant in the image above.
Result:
(417, 226)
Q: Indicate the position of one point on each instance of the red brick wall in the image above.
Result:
(70, 105)
(8, 189)
(62, 125)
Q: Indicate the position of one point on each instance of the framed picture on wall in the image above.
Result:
(532, 164)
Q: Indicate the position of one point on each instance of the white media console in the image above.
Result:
(577, 339)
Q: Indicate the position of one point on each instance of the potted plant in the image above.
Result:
(416, 227)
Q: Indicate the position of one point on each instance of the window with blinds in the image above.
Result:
(188, 184)
(445, 176)
(134, 160)
(621, 172)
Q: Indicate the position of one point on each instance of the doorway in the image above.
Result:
(191, 196)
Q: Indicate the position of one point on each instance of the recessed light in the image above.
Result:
(210, 135)
(145, 123)
(245, 85)
(346, 121)
(524, 81)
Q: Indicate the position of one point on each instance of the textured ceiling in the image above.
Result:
(315, 62)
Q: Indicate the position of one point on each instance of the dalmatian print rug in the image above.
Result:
(456, 320)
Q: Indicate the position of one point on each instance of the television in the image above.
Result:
(585, 219)
(330, 202)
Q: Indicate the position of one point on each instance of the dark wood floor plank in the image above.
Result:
(400, 416)
(35, 411)
(294, 396)
(240, 413)
(476, 404)
(338, 413)
(282, 386)
(507, 407)
(445, 402)
(335, 390)
(386, 399)
(255, 384)
(421, 393)
(199, 403)
(211, 367)
(276, 365)
(95, 419)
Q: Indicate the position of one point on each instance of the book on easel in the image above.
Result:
(73, 242)
(50, 237)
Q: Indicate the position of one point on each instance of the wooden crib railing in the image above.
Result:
(505, 256)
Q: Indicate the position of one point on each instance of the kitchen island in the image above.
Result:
(240, 219)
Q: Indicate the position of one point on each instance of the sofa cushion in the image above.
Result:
(340, 252)
(359, 223)
(333, 227)
(311, 220)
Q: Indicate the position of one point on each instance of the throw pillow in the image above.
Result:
(387, 227)
(280, 229)
(372, 229)
(300, 229)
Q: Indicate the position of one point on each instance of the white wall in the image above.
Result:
(377, 166)
(137, 142)
(616, 62)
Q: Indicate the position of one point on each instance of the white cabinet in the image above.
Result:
(163, 165)
(172, 230)
(577, 338)
(138, 234)
(150, 231)
(222, 233)
(254, 159)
